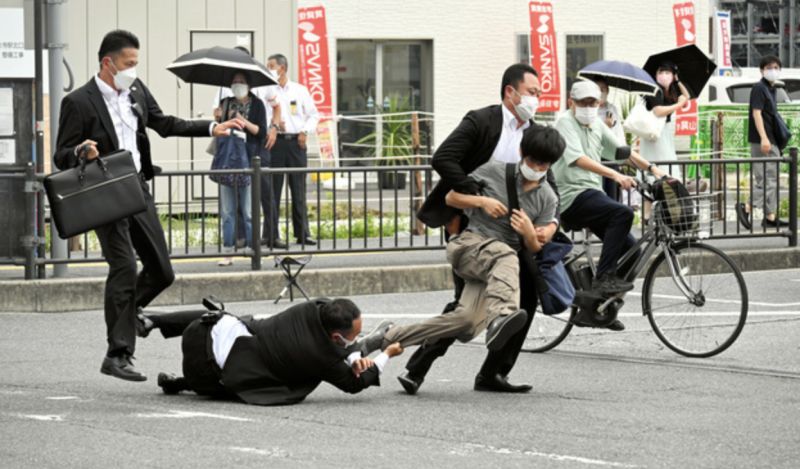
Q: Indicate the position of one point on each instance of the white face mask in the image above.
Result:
(346, 343)
(124, 78)
(772, 74)
(240, 90)
(586, 115)
(527, 107)
(531, 174)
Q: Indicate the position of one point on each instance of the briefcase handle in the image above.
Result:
(84, 161)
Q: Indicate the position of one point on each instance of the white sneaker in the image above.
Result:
(226, 261)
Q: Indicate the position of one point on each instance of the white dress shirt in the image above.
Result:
(380, 361)
(507, 149)
(298, 111)
(122, 115)
(224, 334)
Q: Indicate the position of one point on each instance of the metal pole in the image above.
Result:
(39, 158)
(29, 239)
(255, 209)
(56, 44)
(793, 197)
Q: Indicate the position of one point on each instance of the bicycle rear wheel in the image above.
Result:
(547, 332)
(713, 318)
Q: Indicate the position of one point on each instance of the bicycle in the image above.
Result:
(686, 273)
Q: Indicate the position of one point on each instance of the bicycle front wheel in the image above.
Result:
(699, 308)
(547, 332)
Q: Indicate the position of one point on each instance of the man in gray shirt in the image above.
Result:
(485, 254)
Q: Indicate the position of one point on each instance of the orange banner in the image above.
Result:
(544, 54)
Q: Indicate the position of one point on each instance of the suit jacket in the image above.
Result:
(287, 357)
(84, 115)
(468, 147)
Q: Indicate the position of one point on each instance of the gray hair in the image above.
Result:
(280, 59)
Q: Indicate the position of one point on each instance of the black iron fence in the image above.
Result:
(372, 208)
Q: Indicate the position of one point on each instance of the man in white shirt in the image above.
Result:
(111, 112)
(272, 361)
(299, 117)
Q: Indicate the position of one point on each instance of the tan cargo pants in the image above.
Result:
(491, 271)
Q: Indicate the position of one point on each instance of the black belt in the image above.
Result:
(288, 136)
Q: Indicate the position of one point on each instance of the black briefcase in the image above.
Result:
(94, 193)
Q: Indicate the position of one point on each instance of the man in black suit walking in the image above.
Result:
(275, 361)
(111, 112)
(490, 133)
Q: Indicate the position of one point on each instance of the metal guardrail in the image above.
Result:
(366, 209)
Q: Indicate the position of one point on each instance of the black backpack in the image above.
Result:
(676, 209)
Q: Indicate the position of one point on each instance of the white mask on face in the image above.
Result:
(346, 343)
(529, 173)
(772, 74)
(240, 90)
(124, 78)
(586, 115)
(527, 107)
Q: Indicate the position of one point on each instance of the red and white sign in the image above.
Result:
(544, 54)
(314, 70)
(722, 43)
(685, 33)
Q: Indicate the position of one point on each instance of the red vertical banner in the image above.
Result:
(544, 54)
(314, 70)
(685, 33)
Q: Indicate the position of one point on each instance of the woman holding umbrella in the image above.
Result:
(670, 97)
(235, 152)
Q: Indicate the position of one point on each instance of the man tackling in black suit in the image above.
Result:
(490, 133)
(274, 361)
(111, 112)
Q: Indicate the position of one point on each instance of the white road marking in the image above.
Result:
(62, 398)
(272, 453)
(470, 447)
(712, 300)
(180, 414)
(43, 418)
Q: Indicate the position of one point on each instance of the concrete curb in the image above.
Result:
(61, 295)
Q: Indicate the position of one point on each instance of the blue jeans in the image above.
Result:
(230, 199)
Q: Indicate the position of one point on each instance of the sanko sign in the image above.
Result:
(314, 66)
(544, 54)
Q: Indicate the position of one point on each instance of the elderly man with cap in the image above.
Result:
(580, 182)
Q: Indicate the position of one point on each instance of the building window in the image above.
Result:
(582, 49)
(376, 77)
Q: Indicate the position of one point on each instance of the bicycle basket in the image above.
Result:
(687, 215)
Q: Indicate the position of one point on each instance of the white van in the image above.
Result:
(736, 90)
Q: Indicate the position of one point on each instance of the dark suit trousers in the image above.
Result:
(173, 324)
(269, 231)
(288, 154)
(125, 290)
(500, 361)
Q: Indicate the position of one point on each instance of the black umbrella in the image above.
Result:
(620, 75)
(217, 66)
(694, 67)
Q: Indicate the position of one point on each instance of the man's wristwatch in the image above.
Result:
(650, 168)
(274, 126)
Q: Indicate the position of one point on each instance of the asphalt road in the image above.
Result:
(601, 399)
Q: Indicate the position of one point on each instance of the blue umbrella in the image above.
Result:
(622, 75)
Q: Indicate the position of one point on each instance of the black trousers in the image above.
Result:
(288, 154)
(496, 362)
(125, 289)
(269, 230)
(201, 373)
(609, 220)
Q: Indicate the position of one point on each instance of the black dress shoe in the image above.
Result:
(410, 383)
(743, 216)
(275, 244)
(499, 383)
(121, 367)
(615, 325)
(610, 284)
(774, 223)
(307, 242)
(171, 384)
(143, 324)
(503, 328)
